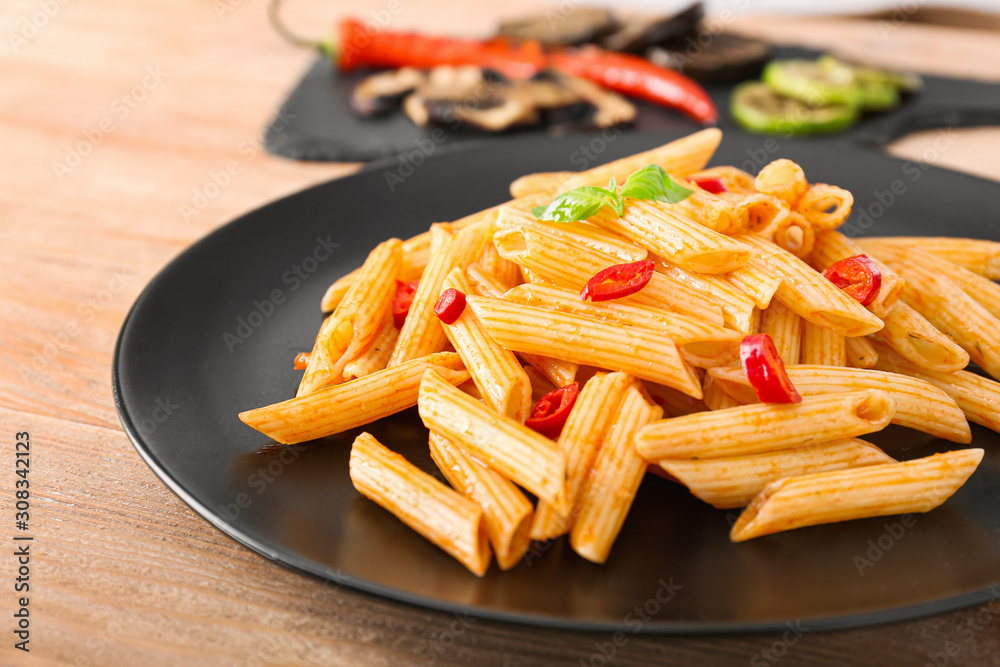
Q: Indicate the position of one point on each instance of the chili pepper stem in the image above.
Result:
(327, 46)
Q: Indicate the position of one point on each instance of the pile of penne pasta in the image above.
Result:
(661, 386)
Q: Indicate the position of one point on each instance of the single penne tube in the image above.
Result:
(919, 404)
(506, 511)
(733, 482)
(355, 323)
(670, 233)
(587, 340)
(856, 493)
(784, 327)
(737, 307)
(495, 370)
(560, 373)
(583, 234)
(831, 246)
(979, 256)
(756, 281)
(440, 233)
(952, 311)
(614, 479)
(794, 234)
(680, 158)
(442, 515)
(983, 290)
(767, 427)
(504, 444)
(422, 333)
(758, 213)
(816, 204)
(580, 439)
(569, 266)
(541, 183)
(861, 353)
(376, 355)
(504, 271)
(978, 397)
(784, 179)
(716, 212)
(909, 334)
(340, 407)
(701, 344)
(415, 252)
(822, 346)
(810, 295)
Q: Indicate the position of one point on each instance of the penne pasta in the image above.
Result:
(822, 346)
(415, 252)
(614, 479)
(817, 201)
(422, 333)
(701, 344)
(506, 511)
(756, 281)
(345, 406)
(505, 445)
(783, 179)
(733, 482)
(499, 377)
(919, 404)
(978, 397)
(737, 307)
(440, 514)
(680, 158)
(582, 234)
(785, 329)
(581, 437)
(758, 213)
(909, 334)
(832, 246)
(718, 213)
(856, 493)
(668, 232)
(766, 427)
(355, 323)
(861, 353)
(587, 340)
(565, 265)
(810, 295)
(736, 180)
(980, 257)
(673, 402)
(540, 183)
(714, 396)
(376, 355)
(794, 234)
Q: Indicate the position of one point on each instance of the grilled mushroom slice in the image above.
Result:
(610, 108)
(637, 35)
(380, 94)
(726, 58)
(468, 97)
(562, 26)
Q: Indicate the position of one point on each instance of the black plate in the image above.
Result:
(316, 122)
(216, 331)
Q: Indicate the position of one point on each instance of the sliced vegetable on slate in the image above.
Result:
(558, 27)
(727, 58)
(759, 109)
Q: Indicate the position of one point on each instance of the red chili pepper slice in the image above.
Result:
(450, 305)
(302, 360)
(859, 277)
(766, 371)
(552, 409)
(401, 304)
(713, 185)
(617, 281)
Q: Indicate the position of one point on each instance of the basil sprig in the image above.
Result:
(650, 182)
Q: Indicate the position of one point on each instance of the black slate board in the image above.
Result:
(317, 124)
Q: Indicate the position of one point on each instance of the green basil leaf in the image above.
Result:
(578, 204)
(652, 182)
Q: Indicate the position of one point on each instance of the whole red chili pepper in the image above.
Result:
(858, 277)
(617, 281)
(357, 45)
(766, 371)
(552, 409)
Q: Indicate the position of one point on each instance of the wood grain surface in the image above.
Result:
(113, 116)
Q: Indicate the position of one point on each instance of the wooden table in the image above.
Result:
(113, 115)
